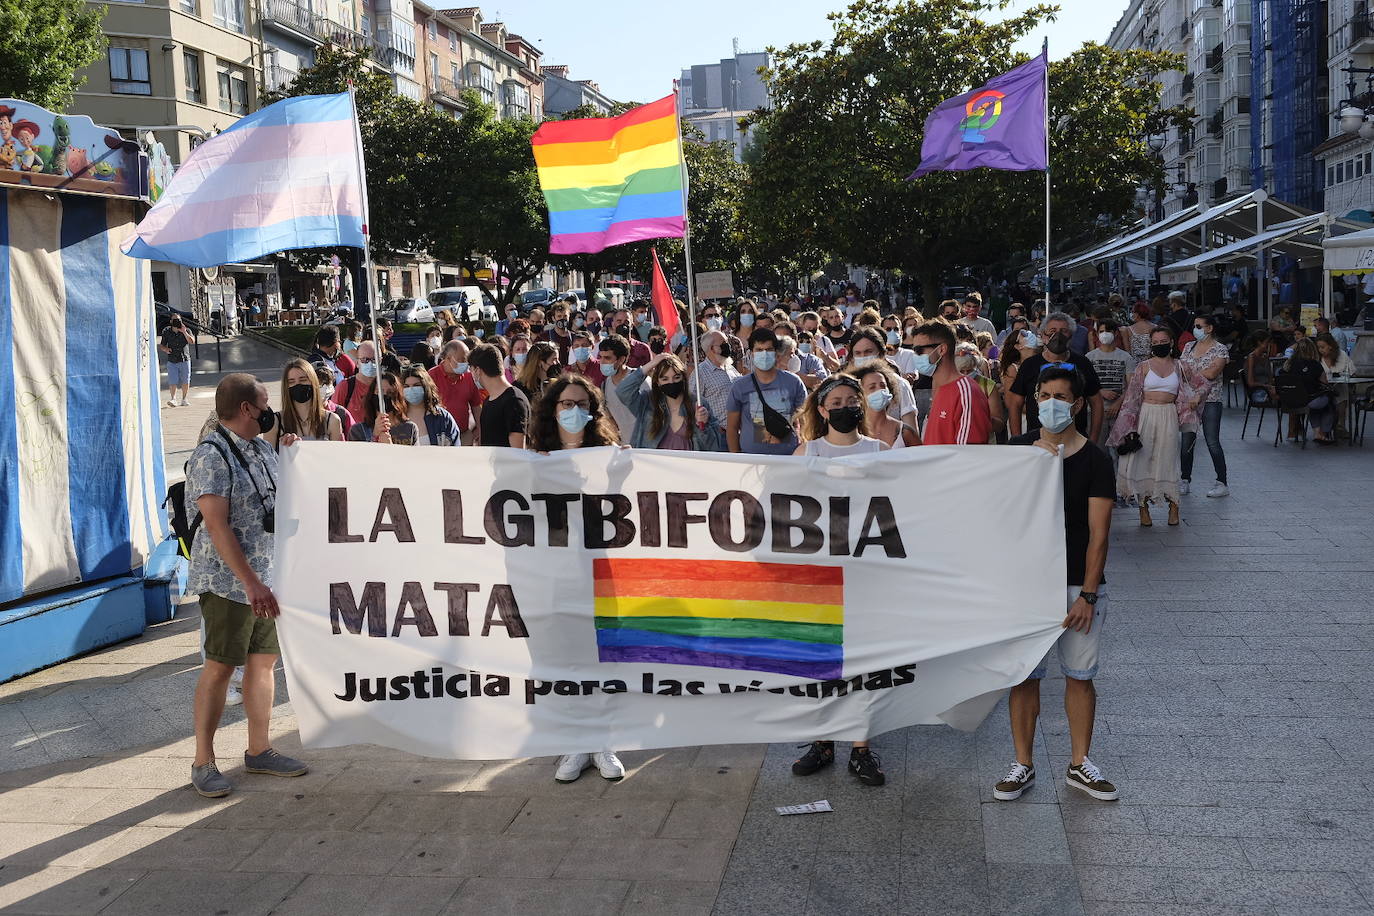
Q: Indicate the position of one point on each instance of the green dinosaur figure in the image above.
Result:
(57, 157)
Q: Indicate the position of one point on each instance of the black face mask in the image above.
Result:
(552, 372)
(537, 328)
(657, 346)
(300, 393)
(1162, 350)
(1058, 343)
(266, 420)
(845, 419)
(672, 389)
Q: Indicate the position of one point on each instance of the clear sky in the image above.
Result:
(635, 51)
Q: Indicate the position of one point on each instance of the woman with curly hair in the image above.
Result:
(569, 414)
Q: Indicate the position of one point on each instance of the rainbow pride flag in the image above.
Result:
(608, 181)
(778, 617)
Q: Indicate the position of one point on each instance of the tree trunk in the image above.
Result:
(930, 292)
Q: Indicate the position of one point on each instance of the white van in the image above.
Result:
(468, 303)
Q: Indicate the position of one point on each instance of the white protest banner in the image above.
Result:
(715, 284)
(483, 603)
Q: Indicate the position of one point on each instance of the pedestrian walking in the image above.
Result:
(1207, 357)
(231, 481)
(175, 342)
(1087, 512)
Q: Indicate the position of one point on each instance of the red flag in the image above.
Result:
(664, 307)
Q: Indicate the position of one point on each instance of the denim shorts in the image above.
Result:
(1078, 651)
(179, 373)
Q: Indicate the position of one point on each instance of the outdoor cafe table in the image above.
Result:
(1349, 386)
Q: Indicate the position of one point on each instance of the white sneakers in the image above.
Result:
(571, 766)
(171, 403)
(1219, 490)
(182, 403)
(234, 697)
(1183, 486)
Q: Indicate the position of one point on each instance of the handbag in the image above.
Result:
(778, 426)
(1130, 443)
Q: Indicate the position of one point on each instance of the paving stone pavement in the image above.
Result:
(1233, 712)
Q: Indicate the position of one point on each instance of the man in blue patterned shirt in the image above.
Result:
(231, 485)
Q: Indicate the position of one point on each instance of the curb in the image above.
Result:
(276, 344)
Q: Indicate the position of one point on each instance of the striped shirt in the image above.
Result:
(715, 386)
(958, 415)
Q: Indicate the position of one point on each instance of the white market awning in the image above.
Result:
(1288, 236)
(1352, 253)
(1092, 254)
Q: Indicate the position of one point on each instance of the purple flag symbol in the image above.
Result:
(998, 126)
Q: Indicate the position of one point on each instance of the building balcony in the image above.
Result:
(1214, 123)
(1183, 30)
(303, 19)
(1185, 143)
(1219, 188)
(1214, 59)
(446, 91)
(278, 77)
(1188, 81)
(1361, 30)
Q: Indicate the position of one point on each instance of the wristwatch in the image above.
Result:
(1090, 597)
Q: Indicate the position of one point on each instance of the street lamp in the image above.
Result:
(1353, 119)
(1156, 143)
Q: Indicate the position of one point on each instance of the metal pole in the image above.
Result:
(687, 249)
(368, 271)
(1046, 52)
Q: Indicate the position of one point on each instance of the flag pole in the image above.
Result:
(369, 273)
(687, 248)
(1046, 52)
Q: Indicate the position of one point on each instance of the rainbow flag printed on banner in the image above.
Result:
(779, 617)
(609, 181)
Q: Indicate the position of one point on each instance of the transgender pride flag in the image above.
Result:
(289, 176)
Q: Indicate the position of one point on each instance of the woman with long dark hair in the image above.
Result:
(391, 427)
(666, 414)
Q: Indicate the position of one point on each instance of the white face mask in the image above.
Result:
(1106, 338)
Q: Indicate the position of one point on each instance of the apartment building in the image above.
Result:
(562, 94)
(1345, 158)
(293, 30)
(459, 52)
(732, 84)
(195, 63)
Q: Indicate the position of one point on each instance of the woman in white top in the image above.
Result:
(1163, 396)
(879, 385)
(833, 424)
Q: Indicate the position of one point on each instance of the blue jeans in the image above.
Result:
(1211, 429)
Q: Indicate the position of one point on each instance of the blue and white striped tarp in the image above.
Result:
(81, 472)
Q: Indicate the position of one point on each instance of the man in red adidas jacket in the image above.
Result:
(958, 407)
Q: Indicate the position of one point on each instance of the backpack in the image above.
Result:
(184, 527)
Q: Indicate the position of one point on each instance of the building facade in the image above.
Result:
(716, 97)
(1346, 161)
(563, 94)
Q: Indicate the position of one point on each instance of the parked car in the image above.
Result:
(409, 310)
(536, 298)
(467, 303)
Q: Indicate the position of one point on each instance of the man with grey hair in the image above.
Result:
(1179, 318)
(715, 372)
(1023, 413)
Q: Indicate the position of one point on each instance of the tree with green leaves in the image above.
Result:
(44, 44)
(830, 171)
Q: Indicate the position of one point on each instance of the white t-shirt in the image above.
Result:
(823, 448)
(904, 360)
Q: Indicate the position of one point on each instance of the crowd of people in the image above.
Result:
(1121, 394)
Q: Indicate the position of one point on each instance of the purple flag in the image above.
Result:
(998, 126)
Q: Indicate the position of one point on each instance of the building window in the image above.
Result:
(367, 26)
(453, 41)
(454, 76)
(194, 91)
(229, 14)
(191, 7)
(233, 92)
(433, 70)
(129, 71)
(1330, 176)
(433, 30)
(1340, 172)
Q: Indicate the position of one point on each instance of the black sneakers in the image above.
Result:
(820, 754)
(866, 767)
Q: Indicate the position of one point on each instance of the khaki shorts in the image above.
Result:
(232, 633)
